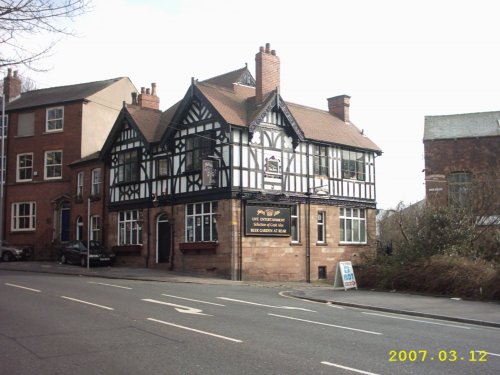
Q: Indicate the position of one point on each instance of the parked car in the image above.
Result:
(76, 252)
(14, 252)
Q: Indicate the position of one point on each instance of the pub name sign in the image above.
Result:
(267, 221)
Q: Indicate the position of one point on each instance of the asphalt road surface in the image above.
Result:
(53, 324)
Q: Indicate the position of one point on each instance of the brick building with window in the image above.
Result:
(49, 129)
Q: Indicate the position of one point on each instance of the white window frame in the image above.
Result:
(47, 166)
(295, 237)
(18, 167)
(353, 225)
(129, 231)
(199, 216)
(16, 217)
(79, 184)
(50, 120)
(4, 129)
(95, 228)
(96, 182)
(321, 223)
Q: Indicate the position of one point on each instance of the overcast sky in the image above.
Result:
(398, 60)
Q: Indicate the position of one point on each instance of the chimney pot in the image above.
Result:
(12, 86)
(143, 90)
(134, 98)
(153, 89)
(273, 52)
(261, 49)
(268, 47)
(148, 91)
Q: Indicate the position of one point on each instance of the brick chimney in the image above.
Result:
(148, 99)
(339, 106)
(11, 86)
(267, 72)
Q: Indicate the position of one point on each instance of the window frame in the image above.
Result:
(18, 167)
(162, 167)
(321, 160)
(198, 213)
(79, 184)
(353, 225)
(353, 168)
(129, 231)
(16, 217)
(48, 120)
(95, 228)
(47, 166)
(4, 127)
(321, 227)
(295, 218)
(128, 166)
(198, 147)
(95, 188)
(459, 191)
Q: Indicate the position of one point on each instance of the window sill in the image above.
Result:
(295, 243)
(321, 244)
(198, 247)
(353, 243)
(53, 131)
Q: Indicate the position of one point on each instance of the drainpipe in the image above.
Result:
(308, 222)
(240, 247)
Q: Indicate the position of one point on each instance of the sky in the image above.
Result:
(398, 60)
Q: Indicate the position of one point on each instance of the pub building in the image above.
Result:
(234, 181)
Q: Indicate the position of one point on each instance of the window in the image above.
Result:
(459, 189)
(321, 227)
(201, 222)
(24, 167)
(96, 182)
(55, 119)
(162, 167)
(79, 185)
(26, 125)
(197, 148)
(79, 228)
(3, 159)
(128, 166)
(352, 225)
(23, 216)
(294, 223)
(353, 165)
(4, 126)
(321, 160)
(130, 228)
(53, 165)
(95, 228)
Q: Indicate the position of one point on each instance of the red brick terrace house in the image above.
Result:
(49, 129)
(235, 181)
(459, 150)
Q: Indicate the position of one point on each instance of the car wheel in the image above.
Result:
(7, 257)
(83, 262)
(63, 259)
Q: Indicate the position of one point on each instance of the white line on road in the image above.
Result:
(194, 330)
(23, 287)
(326, 324)
(285, 295)
(194, 300)
(348, 368)
(115, 286)
(88, 303)
(263, 305)
(416, 320)
(179, 308)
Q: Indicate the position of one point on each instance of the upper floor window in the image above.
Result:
(352, 225)
(79, 184)
(55, 119)
(24, 167)
(26, 124)
(53, 164)
(162, 165)
(321, 227)
(198, 147)
(459, 189)
(353, 165)
(23, 216)
(130, 227)
(201, 222)
(4, 125)
(128, 166)
(321, 160)
(96, 181)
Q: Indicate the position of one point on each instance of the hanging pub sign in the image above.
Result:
(210, 173)
(267, 221)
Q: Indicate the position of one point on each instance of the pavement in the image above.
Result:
(443, 308)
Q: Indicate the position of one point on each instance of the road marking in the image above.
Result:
(194, 300)
(179, 308)
(115, 286)
(283, 294)
(325, 324)
(263, 305)
(348, 368)
(23, 287)
(88, 303)
(195, 330)
(416, 320)
(493, 354)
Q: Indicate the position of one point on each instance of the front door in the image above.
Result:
(164, 235)
(65, 215)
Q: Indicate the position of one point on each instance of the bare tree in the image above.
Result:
(21, 19)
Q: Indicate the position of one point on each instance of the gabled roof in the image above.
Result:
(60, 94)
(468, 125)
(239, 76)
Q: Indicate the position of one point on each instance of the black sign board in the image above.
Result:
(210, 175)
(267, 221)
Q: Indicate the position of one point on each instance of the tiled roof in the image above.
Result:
(60, 94)
(482, 124)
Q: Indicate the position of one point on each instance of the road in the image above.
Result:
(54, 324)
